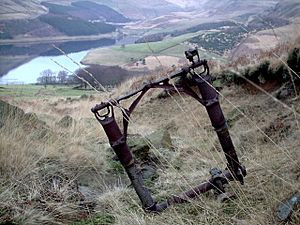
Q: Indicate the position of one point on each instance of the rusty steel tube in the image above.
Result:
(119, 145)
(213, 108)
(194, 192)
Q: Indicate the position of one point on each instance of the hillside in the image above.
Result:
(18, 9)
(81, 18)
(57, 167)
(142, 9)
(238, 5)
(87, 10)
(287, 8)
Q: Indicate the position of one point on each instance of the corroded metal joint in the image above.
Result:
(210, 102)
(118, 143)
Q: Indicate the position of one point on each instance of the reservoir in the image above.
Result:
(30, 71)
(44, 56)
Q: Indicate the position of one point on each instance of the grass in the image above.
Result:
(155, 47)
(80, 153)
(119, 55)
(37, 91)
(99, 219)
(40, 175)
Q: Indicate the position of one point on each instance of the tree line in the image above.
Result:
(49, 77)
(97, 76)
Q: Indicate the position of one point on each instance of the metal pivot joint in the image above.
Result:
(208, 97)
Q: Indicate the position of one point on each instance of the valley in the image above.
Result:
(216, 32)
(60, 58)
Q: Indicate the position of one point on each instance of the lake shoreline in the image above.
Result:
(15, 55)
(41, 40)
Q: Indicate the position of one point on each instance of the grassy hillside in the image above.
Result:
(13, 28)
(100, 11)
(141, 9)
(60, 171)
(287, 8)
(219, 37)
(120, 55)
(87, 10)
(38, 91)
(255, 6)
(75, 26)
(78, 19)
(18, 9)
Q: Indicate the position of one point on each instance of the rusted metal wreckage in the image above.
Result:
(208, 97)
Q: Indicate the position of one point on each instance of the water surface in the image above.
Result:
(30, 71)
(45, 55)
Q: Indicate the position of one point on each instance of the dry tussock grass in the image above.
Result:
(30, 166)
(275, 55)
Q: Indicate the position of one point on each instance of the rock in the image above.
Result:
(141, 148)
(92, 98)
(8, 111)
(286, 208)
(58, 184)
(240, 222)
(225, 197)
(277, 129)
(234, 116)
(283, 94)
(88, 193)
(66, 122)
(138, 146)
(33, 120)
(171, 126)
(84, 97)
(164, 94)
(160, 139)
(149, 171)
(28, 121)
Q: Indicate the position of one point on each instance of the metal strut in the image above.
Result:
(209, 98)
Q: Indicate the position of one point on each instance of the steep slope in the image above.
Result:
(18, 9)
(76, 19)
(87, 10)
(287, 8)
(143, 8)
(97, 11)
(186, 3)
(249, 6)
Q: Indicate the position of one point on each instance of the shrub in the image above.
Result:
(226, 77)
(280, 73)
(293, 60)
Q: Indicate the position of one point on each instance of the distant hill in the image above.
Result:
(87, 10)
(39, 18)
(226, 6)
(19, 9)
(287, 8)
(74, 19)
(141, 9)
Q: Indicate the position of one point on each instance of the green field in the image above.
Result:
(39, 91)
(120, 55)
